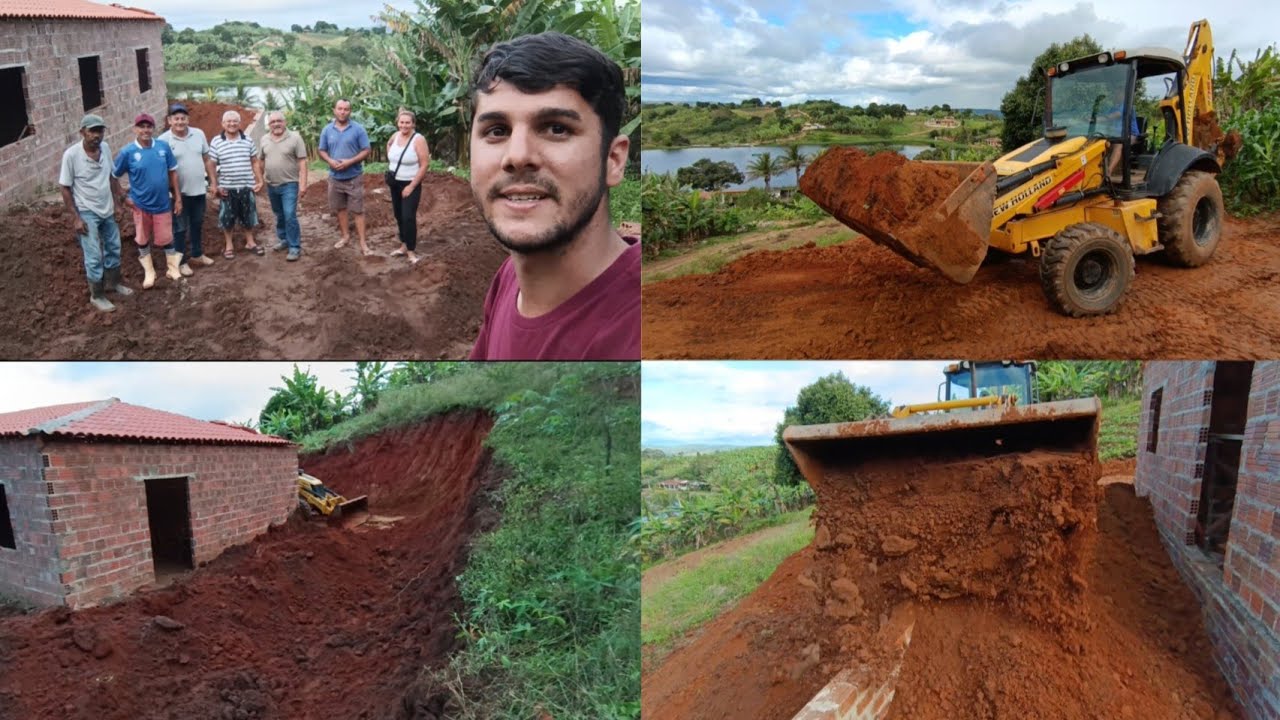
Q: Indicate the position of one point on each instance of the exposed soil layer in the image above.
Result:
(208, 116)
(895, 202)
(1141, 651)
(860, 300)
(307, 621)
(332, 304)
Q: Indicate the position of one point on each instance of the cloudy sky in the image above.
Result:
(740, 403)
(967, 53)
(268, 13)
(232, 392)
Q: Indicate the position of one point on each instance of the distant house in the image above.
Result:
(98, 499)
(674, 484)
(992, 142)
(60, 59)
(813, 126)
(946, 122)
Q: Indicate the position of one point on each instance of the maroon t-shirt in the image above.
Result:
(600, 322)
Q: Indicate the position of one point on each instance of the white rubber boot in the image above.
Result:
(173, 260)
(149, 271)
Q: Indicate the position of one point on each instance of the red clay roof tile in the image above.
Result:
(72, 10)
(112, 419)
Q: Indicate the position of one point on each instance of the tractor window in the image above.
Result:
(1154, 89)
(1090, 102)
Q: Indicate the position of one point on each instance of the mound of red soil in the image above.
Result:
(331, 304)
(208, 115)
(860, 300)
(1143, 652)
(307, 621)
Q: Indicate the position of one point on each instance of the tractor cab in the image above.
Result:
(1094, 97)
(1003, 378)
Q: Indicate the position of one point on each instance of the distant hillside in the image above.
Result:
(692, 449)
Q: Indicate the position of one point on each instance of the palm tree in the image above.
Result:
(765, 167)
(793, 159)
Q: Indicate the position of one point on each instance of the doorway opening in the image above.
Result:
(169, 516)
(1228, 413)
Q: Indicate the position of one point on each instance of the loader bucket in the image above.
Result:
(935, 214)
(920, 440)
(352, 512)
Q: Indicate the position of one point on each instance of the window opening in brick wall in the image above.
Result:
(144, 70)
(91, 81)
(169, 518)
(1228, 413)
(15, 124)
(1153, 435)
(6, 525)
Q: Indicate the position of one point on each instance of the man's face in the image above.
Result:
(537, 169)
(342, 111)
(143, 132)
(276, 123)
(93, 136)
(231, 124)
(179, 122)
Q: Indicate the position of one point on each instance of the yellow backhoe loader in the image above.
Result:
(1087, 196)
(973, 384)
(316, 499)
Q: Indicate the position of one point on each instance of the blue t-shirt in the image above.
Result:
(148, 170)
(1133, 121)
(343, 144)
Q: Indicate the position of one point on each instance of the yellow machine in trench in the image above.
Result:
(316, 499)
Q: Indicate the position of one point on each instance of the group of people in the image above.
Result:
(546, 146)
(171, 176)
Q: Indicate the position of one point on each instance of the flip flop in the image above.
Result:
(415, 261)
(369, 252)
(397, 253)
(229, 255)
(257, 250)
(340, 244)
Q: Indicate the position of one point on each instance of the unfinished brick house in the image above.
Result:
(60, 59)
(98, 499)
(1209, 460)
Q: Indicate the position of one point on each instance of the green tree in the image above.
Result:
(793, 159)
(707, 175)
(370, 381)
(832, 398)
(1023, 104)
(766, 167)
(300, 407)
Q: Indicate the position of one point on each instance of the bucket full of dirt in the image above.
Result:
(937, 215)
(995, 505)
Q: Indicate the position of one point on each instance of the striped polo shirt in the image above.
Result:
(233, 158)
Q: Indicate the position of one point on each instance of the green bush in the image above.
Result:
(674, 215)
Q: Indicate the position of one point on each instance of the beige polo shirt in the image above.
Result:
(280, 158)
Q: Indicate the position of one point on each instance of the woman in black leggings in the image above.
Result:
(408, 157)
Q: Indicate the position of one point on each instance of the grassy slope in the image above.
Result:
(1118, 435)
(700, 593)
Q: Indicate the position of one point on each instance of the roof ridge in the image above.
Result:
(51, 425)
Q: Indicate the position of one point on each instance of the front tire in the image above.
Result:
(1191, 219)
(1086, 269)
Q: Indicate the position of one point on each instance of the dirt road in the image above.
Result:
(860, 300)
(308, 622)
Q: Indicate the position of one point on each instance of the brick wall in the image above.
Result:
(49, 52)
(29, 571)
(99, 500)
(861, 692)
(1240, 600)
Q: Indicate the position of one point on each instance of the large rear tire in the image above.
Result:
(1086, 269)
(1191, 219)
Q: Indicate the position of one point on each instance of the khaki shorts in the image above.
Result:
(347, 194)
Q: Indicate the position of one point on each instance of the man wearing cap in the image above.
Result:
(190, 148)
(153, 177)
(88, 190)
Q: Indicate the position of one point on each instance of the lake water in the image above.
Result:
(225, 94)
(668, 161)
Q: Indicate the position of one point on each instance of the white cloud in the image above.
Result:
(967, 53)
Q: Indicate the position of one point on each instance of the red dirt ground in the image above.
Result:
(332, 304)
(306, 622)
(860, 300)
(1140, 652)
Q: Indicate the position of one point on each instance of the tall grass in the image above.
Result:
(553, 595)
